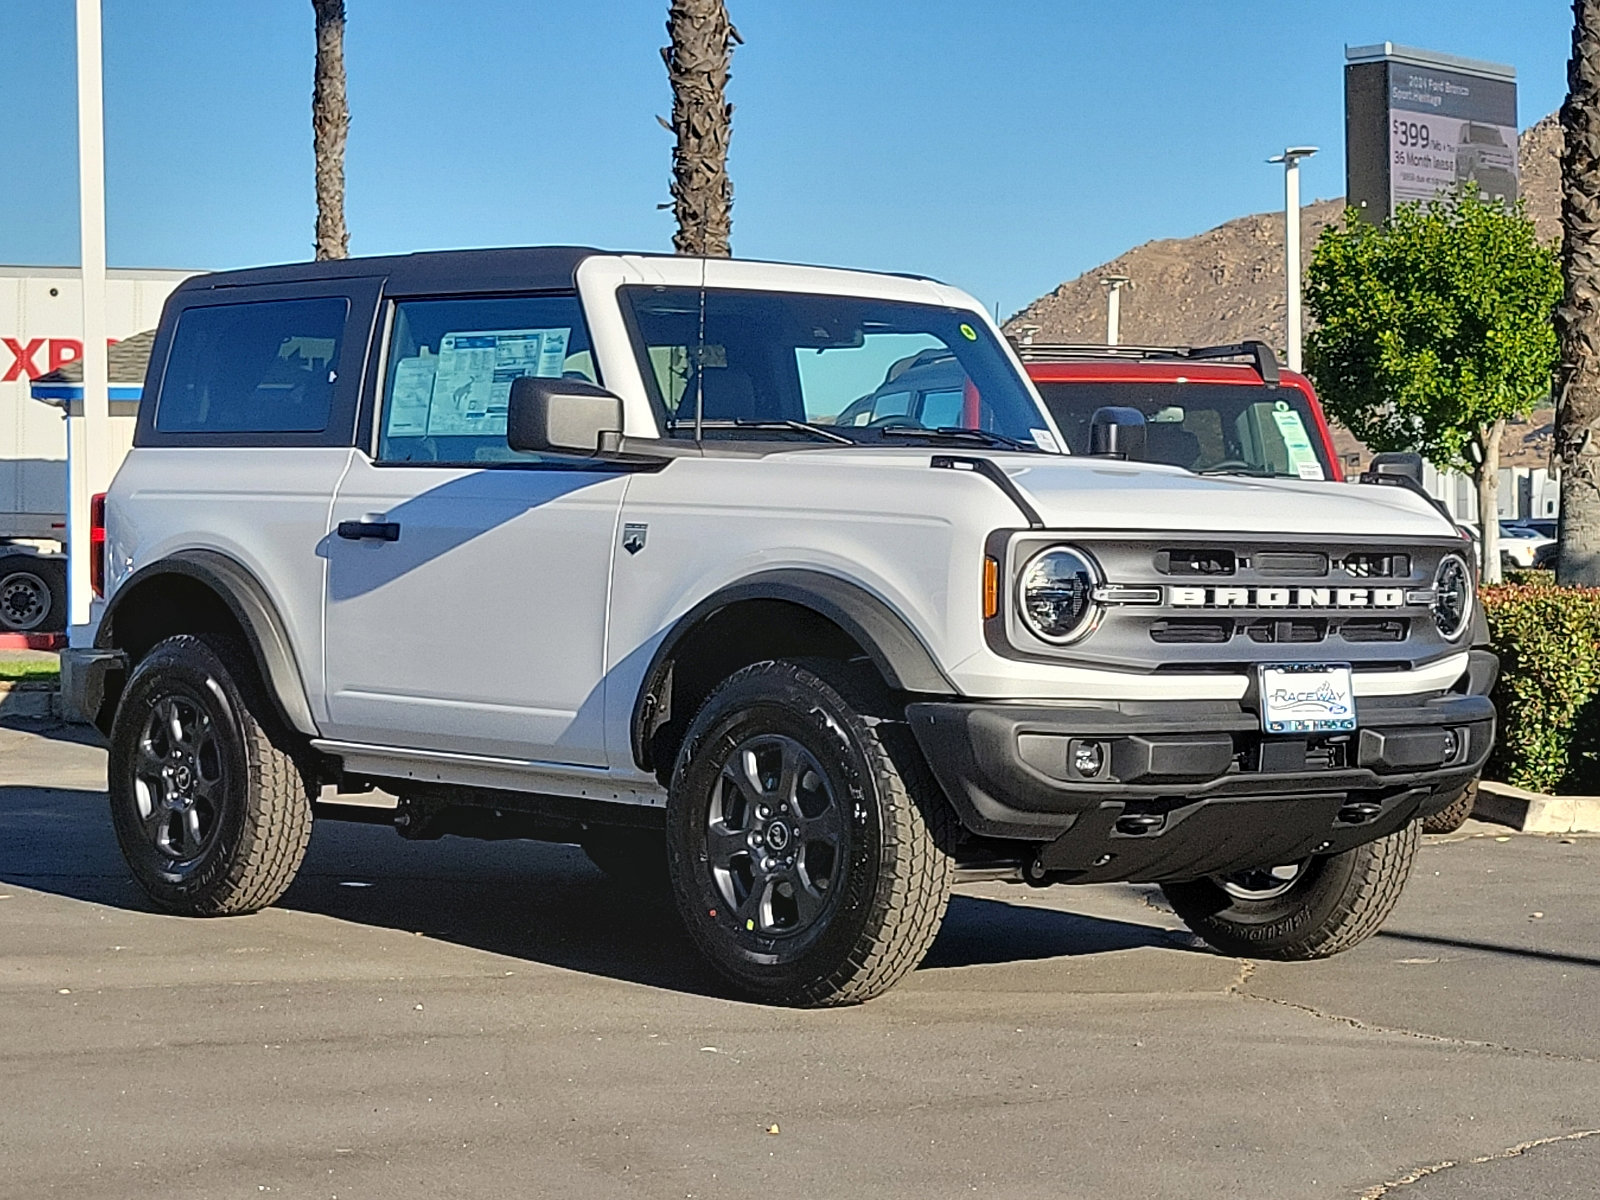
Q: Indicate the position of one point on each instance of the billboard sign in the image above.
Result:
(1418, 123)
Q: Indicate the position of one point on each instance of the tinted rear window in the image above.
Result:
(1203, 426)
(263, 367)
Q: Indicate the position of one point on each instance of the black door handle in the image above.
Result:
(383, 531)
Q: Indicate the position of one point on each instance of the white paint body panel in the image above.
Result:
(482, 630)
(267, 509)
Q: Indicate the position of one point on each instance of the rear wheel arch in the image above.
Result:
(776, 614)
(201, 592)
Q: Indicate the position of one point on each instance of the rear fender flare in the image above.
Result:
(251, 607)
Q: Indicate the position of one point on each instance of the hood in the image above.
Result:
(1085, 493)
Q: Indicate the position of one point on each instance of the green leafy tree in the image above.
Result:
(1433, 329)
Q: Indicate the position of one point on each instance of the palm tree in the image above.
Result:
(702, 120)
(330, 127)
(1578, 316)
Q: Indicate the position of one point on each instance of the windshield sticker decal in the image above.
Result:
(1302, 456)
(968, 332)
(1045, 440)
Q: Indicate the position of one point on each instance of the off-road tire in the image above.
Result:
(885, 902)
(1338, 901)
(1453, 815)
(260, 822)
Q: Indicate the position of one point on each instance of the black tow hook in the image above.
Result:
(1359, 812)
(1134, 824)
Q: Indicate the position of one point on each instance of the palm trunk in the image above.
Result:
(1487, 478)
(702, 120)
(1577, 440)
(330, 126)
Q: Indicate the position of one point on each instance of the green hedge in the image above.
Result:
(1548, 639)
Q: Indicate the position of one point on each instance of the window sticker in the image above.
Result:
(473, 372)
(411, 395)
(1045, 440)
(1302, 456)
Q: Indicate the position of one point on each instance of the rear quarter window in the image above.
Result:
(266, 366)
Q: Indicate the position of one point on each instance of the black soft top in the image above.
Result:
(535, 268)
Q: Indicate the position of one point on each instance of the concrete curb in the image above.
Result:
(1535, 812)
(29, 698)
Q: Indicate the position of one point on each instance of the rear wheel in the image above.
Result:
(33, 594)
(212, 811)
(804, 836)
(1311, 909)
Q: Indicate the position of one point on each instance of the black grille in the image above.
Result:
(1198, 561)
(1370, 630)
(1377, 566)
(1177, 632)
(1287, 630)
(1279, 564)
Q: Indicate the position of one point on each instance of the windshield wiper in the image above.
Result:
(1252, 472)
(817, 431)
(956, 433)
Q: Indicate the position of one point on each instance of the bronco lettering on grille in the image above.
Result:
(1280, 597)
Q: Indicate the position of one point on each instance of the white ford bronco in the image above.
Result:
(572, 545)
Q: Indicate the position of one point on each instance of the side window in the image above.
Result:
(268, 366)
(450, 369)
(942, 410)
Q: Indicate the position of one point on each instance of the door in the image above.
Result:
(468, 584)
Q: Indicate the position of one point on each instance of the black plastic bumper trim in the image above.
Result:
(1020, 771)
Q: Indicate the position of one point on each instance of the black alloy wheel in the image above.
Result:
(776, 836)
(180, 777)
(210, 803)
(805, 836)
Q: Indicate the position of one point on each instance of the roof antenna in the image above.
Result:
(700, 349)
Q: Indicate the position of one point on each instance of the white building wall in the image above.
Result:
(41, 327)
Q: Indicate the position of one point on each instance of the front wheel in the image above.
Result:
(1453, 815)
(212, 811)
(804, 836)
(1298, 911)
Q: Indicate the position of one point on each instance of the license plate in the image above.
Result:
(1306, 698)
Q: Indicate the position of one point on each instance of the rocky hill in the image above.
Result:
(1227, 283)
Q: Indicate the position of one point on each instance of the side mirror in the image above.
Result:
(1403, 467)
(562, 416)
(1117, 432)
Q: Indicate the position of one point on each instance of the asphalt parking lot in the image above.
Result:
(459, 1019)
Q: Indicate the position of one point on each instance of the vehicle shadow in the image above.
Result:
(522, 900)
(52, 729)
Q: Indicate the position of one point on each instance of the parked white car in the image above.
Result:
(813, 673)
(1520, 544)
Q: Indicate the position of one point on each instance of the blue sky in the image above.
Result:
(1001, 145)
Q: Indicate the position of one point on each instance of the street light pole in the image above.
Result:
(1290, 159)
(89, 454)
(1114, 285)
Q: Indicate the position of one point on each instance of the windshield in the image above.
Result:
(834, 368)
(1246, 428)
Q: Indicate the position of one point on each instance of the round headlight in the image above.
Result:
(1452, 596)
(1057, 597)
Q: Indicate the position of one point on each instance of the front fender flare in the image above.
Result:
(901, 657)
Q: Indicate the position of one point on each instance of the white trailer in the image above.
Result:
(41, 332)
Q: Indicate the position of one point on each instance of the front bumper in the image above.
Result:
(1180, 789)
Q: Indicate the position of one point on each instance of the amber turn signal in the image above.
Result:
(991, 588)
